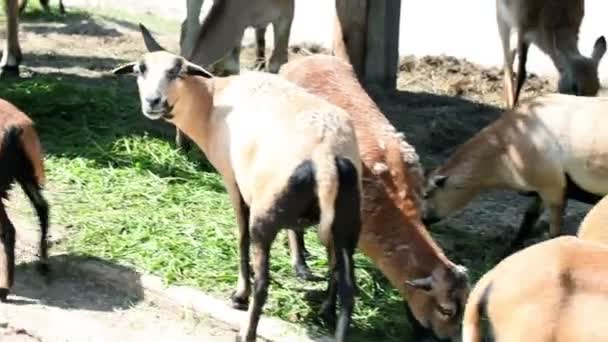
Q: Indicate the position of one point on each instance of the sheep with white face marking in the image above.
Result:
(554, 291)
(285, 156)
(553, 147)
(21, 162)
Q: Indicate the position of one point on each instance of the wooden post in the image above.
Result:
(382, 50)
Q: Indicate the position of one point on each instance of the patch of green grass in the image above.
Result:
(130, 197)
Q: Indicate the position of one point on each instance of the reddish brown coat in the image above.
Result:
(392, 234)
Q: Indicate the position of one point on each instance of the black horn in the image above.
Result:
(151, 44)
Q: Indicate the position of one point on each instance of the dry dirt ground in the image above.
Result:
(440, 102)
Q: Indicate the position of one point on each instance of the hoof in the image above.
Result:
(327, 313)
(3, 294)
(238, 302)
(43, 268)
(304, 273)
(9, 71)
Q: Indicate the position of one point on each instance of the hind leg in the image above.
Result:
(262, 235)
(298, 255)
(7, 253)
(32, 190)
(328, 307)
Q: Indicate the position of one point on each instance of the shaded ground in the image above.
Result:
(74, 308)
(440, 102)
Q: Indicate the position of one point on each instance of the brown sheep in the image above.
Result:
(552, 147)
(21, 161)
(392, 234)
(554, 291)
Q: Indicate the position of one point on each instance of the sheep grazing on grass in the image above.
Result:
(594, 226)
(552, 26)
(392, 234)
(21, 162)
(287, 157)
(553, 148)
(556, 290)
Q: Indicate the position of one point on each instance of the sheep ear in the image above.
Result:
(195, 70)
(151, 44)
(425, 284)
(599, 49)
(125, 69)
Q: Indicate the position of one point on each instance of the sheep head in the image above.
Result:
(157, 73)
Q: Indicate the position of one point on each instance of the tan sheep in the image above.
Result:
(554, 291)
(552, 147)
(286, 156)
(553, 27)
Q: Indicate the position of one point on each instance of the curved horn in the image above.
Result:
(195, 70)
(425, 284)
(151, 44)
(124, 69)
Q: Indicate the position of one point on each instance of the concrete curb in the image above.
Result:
(184, 297)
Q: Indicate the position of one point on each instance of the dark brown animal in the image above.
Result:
(21, 162)
(392, 234)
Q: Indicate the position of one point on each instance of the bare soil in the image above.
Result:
(440, 102)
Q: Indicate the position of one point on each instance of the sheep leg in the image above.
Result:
(240, 297)
(45, 5)
(262, 235)
(22, 6)
(11, 55)
(556, 218)
(61, 7)
(298, 255)
(7, 253)
(504, 30)
(32, 190)
(328, 308)
(522, 54)
(260, 50)
(282, 28)
(527, 225)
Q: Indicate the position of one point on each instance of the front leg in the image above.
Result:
(522, 54)
(240, 297)
(504, 30)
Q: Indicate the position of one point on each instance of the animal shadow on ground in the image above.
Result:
(104, 286)
(87, 117)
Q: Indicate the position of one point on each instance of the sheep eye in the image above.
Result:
(142, 68)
